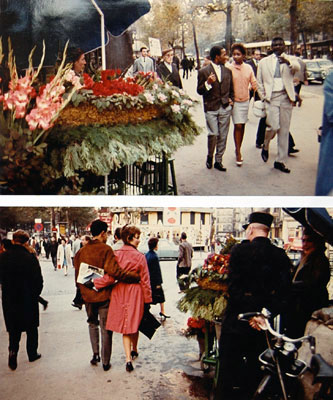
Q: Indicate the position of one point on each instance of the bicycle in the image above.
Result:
(282, 367)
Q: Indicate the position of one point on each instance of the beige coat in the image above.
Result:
(265, 77)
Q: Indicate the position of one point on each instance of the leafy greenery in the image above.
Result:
(99, 149)
(203, 303)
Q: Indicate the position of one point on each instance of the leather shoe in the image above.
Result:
(76, 305)
(134, 354)
(280, 166)
(96, 359)
(209, 162)
(37, 356)
(129, 367)
(106, 367)
(258, 146)
(264, 154)
(293, 151)
(12, 360)
(219, 166)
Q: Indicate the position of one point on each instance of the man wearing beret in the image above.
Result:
(259, 276)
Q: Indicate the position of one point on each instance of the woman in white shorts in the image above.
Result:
(242, 77)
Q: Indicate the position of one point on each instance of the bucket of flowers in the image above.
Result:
(207, 294)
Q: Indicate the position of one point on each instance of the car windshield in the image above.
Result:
(327, 63)
(312, 65)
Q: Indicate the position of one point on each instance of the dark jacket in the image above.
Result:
(309, 292)
(102, 256)
(54, 248)
(260, 276)
(220, 93)
(167, 76)
(22, 283)
(154, 268)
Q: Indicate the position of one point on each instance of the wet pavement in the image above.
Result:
(167, 367)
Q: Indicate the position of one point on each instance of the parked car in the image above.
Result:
(166, 250)
(325, 65)
(314, 71)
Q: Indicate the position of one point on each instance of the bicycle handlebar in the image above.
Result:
(266, 315)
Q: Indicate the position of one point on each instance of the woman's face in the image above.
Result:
(136, 240)
(308, 244)
(80, 64)
(237, 56)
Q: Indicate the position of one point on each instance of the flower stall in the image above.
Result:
(206, 299)
(62, 137)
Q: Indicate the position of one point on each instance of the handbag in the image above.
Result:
(259, 109)
(148, 324)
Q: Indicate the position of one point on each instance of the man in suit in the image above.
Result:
(184, 259)
(167, 70)
(143, 63)
(254, 62)
(276, 88)
(216, 87)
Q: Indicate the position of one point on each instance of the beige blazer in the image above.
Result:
(185, 254)
(265, 77)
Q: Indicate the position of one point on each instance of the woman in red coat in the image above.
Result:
(127, 300)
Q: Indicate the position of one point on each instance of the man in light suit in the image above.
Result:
(216, 87)
(276, 87)
(143, 63)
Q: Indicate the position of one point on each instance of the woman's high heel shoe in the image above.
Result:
(134, 354)
(164, 316)
(129, 367)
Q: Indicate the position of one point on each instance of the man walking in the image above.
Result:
(276, 88)
(167, 70)
(96, 253)
(184, 260)
(216, 87)
(144, 63)
(259, 276)
(22, 283)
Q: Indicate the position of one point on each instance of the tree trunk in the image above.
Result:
(196, 45)
(304, 44)
(293, 24)
(228, 31)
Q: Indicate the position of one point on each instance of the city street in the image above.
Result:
(167, 367)
(254, 178)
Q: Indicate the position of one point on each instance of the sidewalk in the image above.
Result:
(254, 178)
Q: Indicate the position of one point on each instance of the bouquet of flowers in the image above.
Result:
(28, 111)
(214, 272)
(197, 327)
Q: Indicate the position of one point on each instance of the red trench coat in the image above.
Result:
(127, 300)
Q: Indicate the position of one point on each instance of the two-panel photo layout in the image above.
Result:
(166, 215)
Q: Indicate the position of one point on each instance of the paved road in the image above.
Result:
(167, 367)
(254, 178)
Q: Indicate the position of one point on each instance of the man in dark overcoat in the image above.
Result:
(167, 70)
(22, 283)
(259, 276)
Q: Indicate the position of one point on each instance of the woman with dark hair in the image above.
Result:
(128, 301)
(309, 283)
(76, 57)
(242, 78)
(155, 275)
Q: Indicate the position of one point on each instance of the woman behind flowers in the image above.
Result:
(309, 284)
(128, 301)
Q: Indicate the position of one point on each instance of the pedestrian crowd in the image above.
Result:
(115, 301)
